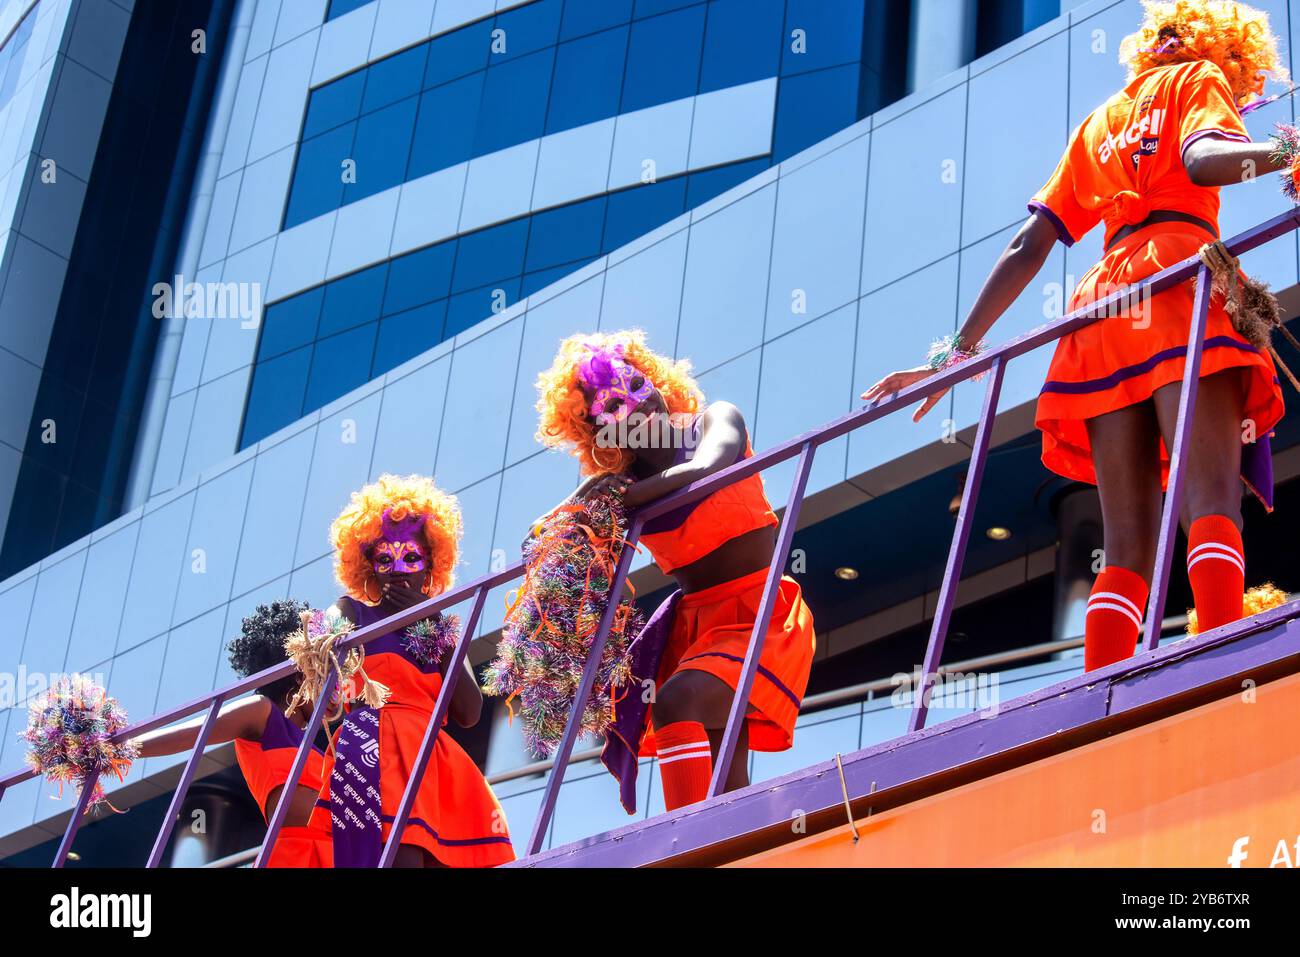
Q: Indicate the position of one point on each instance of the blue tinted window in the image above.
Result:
(812, 106)
(565, 234)
(663, 61)
(476, 305)
(704, 186)
(458, 53)
(832, 35)
(290, 323)
(419, 277)
(352, 300)
(318, 181)
(742, 42)
(276, 396)
(405, 335)
(634, 212)
(382, 148)
(648, 8)
(588, 16)
(340, 7)
(334, 103)
(444, 131)
(340, 364)
(588, 77)
(491, 254)
(395, 78)
(514, 102)
(526, 29)
(540, 280)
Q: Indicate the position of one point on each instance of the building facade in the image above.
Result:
(390, 213)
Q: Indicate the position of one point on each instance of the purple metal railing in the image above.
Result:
(992, 363)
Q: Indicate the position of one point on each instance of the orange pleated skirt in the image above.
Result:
(711, 631)
(301, 846)
(1124, 358)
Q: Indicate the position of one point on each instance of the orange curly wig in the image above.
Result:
(360, 524)
(562, 407)
(1233, 36)
(1259, 599)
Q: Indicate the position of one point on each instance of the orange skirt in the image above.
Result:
(1122, 359)
(455, 817)
(711, 631)
(302, 847)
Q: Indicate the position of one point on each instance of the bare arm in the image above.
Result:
(244, 719)
(587, 485)
(722, 440)
(1019, 263)
(1212, 161)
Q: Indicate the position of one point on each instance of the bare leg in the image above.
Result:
(699, 696)
(411, 855)
(1125, 454)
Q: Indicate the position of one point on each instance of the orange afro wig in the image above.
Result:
(360, 524)
(563, 422)
(1233, 36)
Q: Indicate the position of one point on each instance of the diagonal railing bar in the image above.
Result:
(277, 820)
(183, 786)
(556, 777)
(74, 822)
(1178, 460)
(440, 708)
(1244, 242)
(757, 638)
(957, 548)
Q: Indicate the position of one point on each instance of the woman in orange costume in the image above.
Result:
(633, 419)
(396, 545)
(1149, 164)
(266, 741)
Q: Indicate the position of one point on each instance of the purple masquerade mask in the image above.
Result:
(614, 381)
(399, 549)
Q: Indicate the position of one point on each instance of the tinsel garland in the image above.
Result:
(429, 639)
(1259, 599)
(69, 735)
(553, 618)
(950, 351)
(1286, 150)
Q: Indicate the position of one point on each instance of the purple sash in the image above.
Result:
(623, 739)
(1257, 469)
(354, 791)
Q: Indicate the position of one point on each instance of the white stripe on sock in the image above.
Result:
(1111, 606)
(1116, 596)
(705, 754)
(1221, 552)
(683, 747)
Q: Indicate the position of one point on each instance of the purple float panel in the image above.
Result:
(740, 702)
(183, 786)
(74, 822)
(295, 772)
(440, 708)
(957, 549)
(1178, 459)
(556, 777)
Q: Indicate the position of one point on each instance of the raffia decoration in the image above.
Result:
(1252, 307)
(312, 650)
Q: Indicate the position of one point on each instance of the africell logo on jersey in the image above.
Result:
(1145, 134)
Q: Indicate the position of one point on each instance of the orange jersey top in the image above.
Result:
(686, 534)
(266, 763)
(1126, 159)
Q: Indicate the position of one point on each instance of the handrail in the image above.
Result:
(994, 361)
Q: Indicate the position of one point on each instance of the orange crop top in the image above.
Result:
(687, 534)
(1126, 159)
(266, 763)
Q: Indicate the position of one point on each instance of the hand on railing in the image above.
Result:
(898, 381)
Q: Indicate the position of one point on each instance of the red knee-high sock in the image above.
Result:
(1216, 566)
(1114, 617)
(685, 762)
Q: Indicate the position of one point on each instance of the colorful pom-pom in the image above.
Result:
(69, 736)
(430, 638)
(551, 623)
(1286, 151)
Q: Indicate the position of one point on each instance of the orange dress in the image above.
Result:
(1124, 162)
(266, 765)
(456, 817)
(710, 630)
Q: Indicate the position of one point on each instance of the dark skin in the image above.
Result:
(399, 592)
(694, 695)
(1125, 442)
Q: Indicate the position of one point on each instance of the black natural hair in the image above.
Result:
(260, 644)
